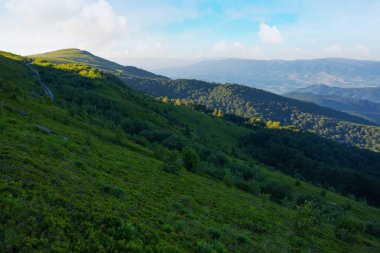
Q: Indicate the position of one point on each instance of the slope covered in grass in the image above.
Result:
(85, 174)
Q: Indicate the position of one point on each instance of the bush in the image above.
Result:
(277, 190)
(172, 163)
(191, 159)
(217, 158)
(133, 126)
(347, 227)
(243, 171)
(211, 170)
(214, 247)
(252, 186)
(373, 229)
(306, 218)
(113, 190)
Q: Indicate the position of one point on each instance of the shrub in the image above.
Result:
(214, 247)
(277, 190)
(211, 170)
(204, 247)
(373, 229)
(243, 171)
(172, 163)
(167, 228)
(252, 186)
(217, 158)
(133, 126)
(113, 190)
(215, 233)
(347, 227)
(191, 159)
(306, 218)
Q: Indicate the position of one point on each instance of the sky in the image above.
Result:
(164, 33)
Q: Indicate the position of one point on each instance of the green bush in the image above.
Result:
(214, 247)
(190, 159)
(373, 228)
(347, 227)
(172, 163)
(306, 218)
(113, 190)
(278, 191)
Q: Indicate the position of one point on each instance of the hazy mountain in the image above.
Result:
(281, 76)
(360, 107)
(369, 93)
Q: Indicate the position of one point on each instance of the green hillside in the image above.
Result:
(73, 55)
(242, 101)
(104, 168)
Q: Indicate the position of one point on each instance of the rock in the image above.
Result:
(43, 129)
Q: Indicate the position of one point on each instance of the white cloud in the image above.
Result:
(54, 24)
(43, 11)
(270, 34)
(233, 49)
(96, 23)
(148, 50)
(358, 51)
(333, 50)
(361, 50)
(219, 47)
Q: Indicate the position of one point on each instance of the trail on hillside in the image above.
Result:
(46, 89)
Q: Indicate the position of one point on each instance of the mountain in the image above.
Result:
(359, 107)
(73, 55)
(369, 93)
(249, 102)
(100, 167)
(281, 76)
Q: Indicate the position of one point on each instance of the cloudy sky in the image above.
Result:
(159, 33)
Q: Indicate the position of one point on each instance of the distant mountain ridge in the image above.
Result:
(282, 76)
(360, 107)
(369, 93)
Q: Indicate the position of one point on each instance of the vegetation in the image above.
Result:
(239, 100)
(88, 172)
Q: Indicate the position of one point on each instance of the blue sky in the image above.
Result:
(168, 32)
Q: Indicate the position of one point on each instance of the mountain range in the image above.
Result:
(281, 76)
(370, 93)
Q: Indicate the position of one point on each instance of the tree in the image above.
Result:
(218, 112)
(306, 218)
(191, 159)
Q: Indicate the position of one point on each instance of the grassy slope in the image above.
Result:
(73, 55)
(86, 192)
